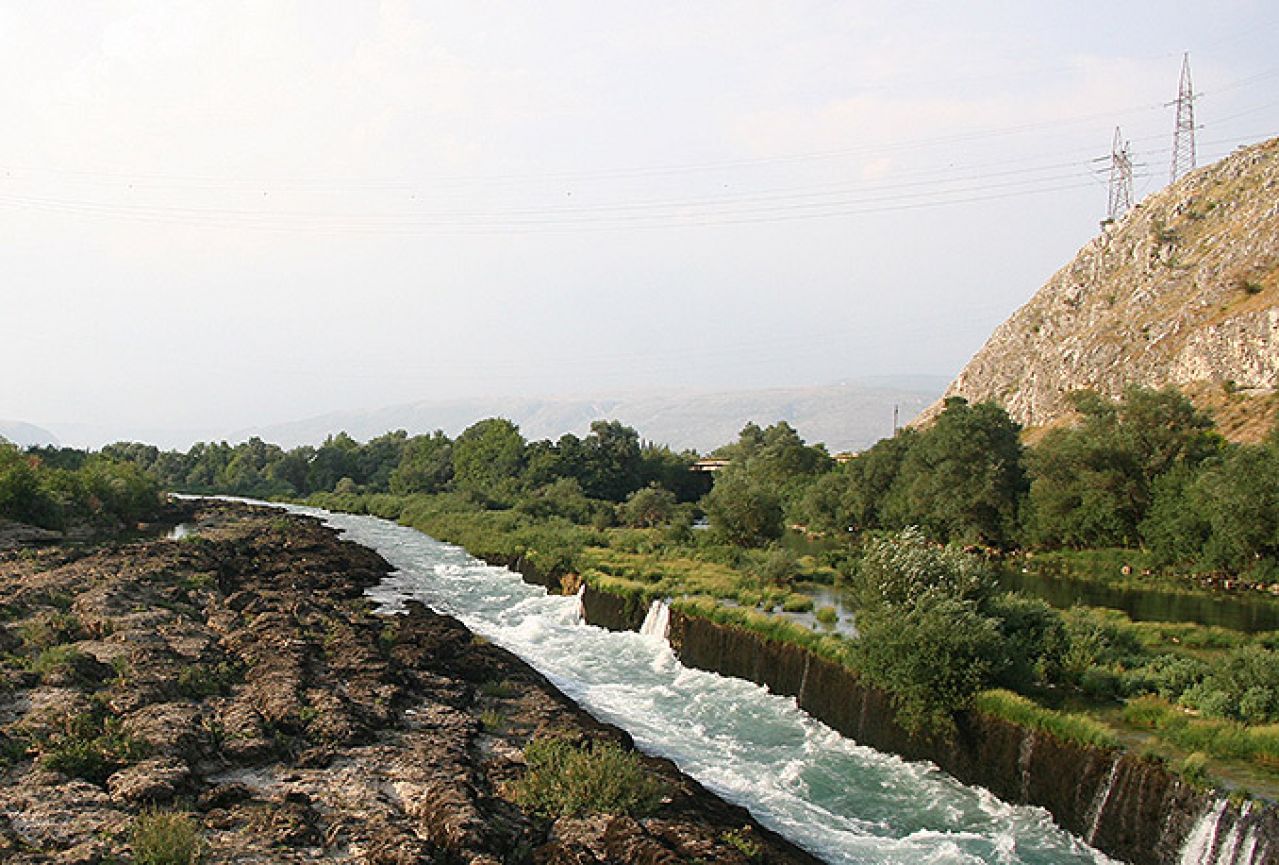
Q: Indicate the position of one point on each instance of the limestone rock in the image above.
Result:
(1183, 291)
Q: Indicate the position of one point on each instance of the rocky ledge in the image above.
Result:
(239, 677)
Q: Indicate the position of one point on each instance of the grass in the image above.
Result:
(493, 721)
(776, 628)
(499, 689)
(1228, 740)
(741, 840)
(1024, 712)
(599, 778)
(165, 838)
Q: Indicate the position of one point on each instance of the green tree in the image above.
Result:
(674, 471)
(649, 507)
(933, 632)
(1093, 484)
(426, 465)
(871, 476)
(333, 460)
(932, 656)
(741, 510)
(611, 461)
(378, 458)
(21, 496)
(488, 458)
(899, 569)
(962, 479)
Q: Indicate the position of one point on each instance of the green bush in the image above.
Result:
(797, 603)
(932, 657)
(165, 838)
(600, 778)
(89, 746)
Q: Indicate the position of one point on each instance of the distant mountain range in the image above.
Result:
(850, 415)
(25, 434)
(845, 416)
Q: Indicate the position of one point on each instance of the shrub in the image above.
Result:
(165, 838)
(89, 746)
(900, 569)
(743, 511)
(797, 603)
(648, 507)
(207, 680)
(600, 778)
(932, 657)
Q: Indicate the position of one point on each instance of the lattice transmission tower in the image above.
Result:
(1183, 135)
(1120, 178)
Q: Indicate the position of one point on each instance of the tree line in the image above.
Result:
(1147, 470)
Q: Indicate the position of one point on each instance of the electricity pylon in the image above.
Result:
(1183, 135)
(1120, 178)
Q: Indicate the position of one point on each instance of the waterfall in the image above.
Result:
(1206, 845)
(658, 620)
(1099, 804)
(580, 609)
(1200, 842)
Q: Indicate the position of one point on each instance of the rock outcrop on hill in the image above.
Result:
(1183, 290)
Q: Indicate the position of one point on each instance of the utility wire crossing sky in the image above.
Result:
(224, 214)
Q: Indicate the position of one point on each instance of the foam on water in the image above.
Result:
(846, 803)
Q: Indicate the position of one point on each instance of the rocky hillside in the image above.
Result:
(1183, 290)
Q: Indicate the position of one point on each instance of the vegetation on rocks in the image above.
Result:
(564, 779)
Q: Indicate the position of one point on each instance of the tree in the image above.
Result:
(376, 459)
(741, 510)
(333, 460)
(1093, 484)
(674, 471)
(426, 465)
(649, 507)
(962, 479)
(611, 461)
(933, 632)
(21, 496)
(871, 477)
(487, 459)
(899, 569)
(933, 657)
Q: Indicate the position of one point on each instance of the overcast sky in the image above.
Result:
(222, 214)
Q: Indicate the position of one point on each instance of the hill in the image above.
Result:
(24, 434)
(1183, 290)
(845, 416)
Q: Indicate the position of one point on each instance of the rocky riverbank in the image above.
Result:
(238, 676)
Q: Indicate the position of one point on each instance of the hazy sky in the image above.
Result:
(219, 214)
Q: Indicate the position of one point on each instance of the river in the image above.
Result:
(844, 802)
